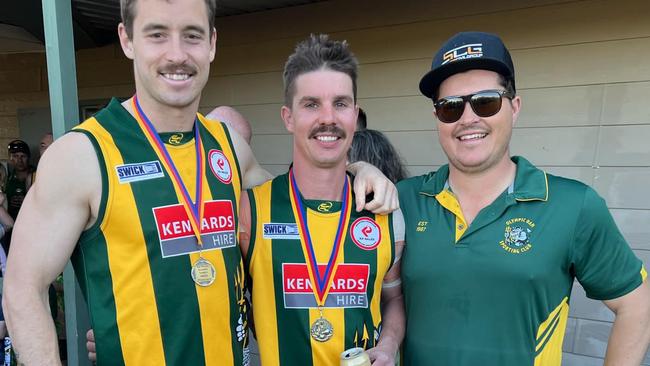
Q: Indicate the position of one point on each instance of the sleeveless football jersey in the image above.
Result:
(134, 264)
(284, 304)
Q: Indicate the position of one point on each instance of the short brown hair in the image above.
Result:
(127, 10)
(318, 52)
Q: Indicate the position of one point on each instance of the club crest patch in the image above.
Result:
(220, 166)
(365, 233)
(127, 173)
(516, 237)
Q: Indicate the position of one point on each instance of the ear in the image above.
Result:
(287, 117)
(213, 43)
(516, 108)
(125, 42)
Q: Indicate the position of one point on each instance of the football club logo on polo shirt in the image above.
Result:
(365, 233)
(177, 236)
(220, 166)
(347, 290)
(127, 173)
(517, 235)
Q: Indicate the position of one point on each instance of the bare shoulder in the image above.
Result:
(69, 170)
(242, 149)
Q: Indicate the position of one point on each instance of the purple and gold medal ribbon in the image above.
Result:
(321, 282)
(193, 209)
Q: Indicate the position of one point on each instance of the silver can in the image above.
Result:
(355, 357)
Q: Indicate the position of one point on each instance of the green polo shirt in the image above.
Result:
(497, 292)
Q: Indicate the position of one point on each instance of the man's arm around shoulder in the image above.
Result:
(55, 212)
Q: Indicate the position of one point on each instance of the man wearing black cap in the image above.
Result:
(495, 243)
(21, 177)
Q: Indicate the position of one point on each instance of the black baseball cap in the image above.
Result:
(16, 146)
(467, 51)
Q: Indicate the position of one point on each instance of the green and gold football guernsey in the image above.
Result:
(497, 292)
(284, 304)
(134, 264)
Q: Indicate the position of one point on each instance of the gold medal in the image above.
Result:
(203, 272)
(322, 330)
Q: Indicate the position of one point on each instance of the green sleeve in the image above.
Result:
(604, 263)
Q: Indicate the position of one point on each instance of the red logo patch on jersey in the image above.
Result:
(347, 290)
(220, 166)
(176, 234)
(365, 233)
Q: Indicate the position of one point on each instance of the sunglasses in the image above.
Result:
(485, 103)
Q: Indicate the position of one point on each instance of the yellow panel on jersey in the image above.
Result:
(266, 325)
(284, 304)
(550, 336)
(128, 283)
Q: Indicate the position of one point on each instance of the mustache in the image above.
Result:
(479, 129)
(330, 129)
(178, 69)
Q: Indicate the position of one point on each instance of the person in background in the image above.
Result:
(3, 180)
(20, 175)
(6, 221)
(45, 142)
(362, 122)
(234, 119)
(19, 181)
(374, 147)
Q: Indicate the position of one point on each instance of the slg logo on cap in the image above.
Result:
(465, 51)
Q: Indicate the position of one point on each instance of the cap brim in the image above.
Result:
(431, 81)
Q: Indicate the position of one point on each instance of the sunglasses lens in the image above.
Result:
(449, 110)
(486, 104)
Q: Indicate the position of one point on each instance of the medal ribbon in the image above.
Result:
(321, 283)
(194, 210)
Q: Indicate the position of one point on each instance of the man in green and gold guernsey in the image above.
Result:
(144, 197)
(324, 278)
(494, 243)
